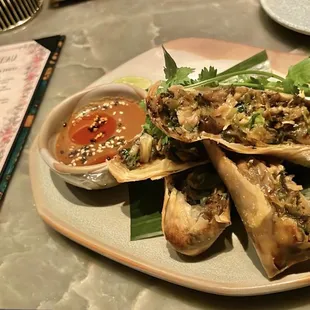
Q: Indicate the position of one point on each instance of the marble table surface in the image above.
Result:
(39, 268)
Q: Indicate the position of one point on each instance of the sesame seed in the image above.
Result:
(119, 119)
(114, 113)
(122, 137)
(123, 127)
(121, 112)
(91, 145)
(118, 130)
(93, 153)
(117, 138)
(85, 162)
(99, 151)
(74, 164)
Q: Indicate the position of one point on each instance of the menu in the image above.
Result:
(23, 68)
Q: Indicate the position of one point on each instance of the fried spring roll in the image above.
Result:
(153, 157)
(271, 205)
(196, 209)
(242, 119)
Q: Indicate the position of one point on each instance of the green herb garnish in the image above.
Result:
(248, 63)
(297, 80)
(256, 119)
(165, 140)
(142, 105)
(173, 74)
(151, 129)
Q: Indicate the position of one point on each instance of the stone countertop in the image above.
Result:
(38, 267)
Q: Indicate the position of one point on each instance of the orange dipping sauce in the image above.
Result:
(93, 134)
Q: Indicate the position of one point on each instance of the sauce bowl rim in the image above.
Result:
(43, 137)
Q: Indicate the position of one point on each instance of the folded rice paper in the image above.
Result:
(241, 119)
(196, 209)
(271, 205)
(153, 157)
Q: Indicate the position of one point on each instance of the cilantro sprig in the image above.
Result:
(296, 81)
(174, 75)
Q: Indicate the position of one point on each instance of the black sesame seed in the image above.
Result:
(64, 124)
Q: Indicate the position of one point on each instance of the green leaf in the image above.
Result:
(173, 74)
(206, 74)
(151, 129)
(142, 105)
(300, 73)
(248, 63)
(181, 75)
(289, 87)
(256, 119)
(170, 65)
(165, 140)
(146, 202)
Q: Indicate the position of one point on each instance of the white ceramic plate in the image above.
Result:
(292, 14)
(100, 220)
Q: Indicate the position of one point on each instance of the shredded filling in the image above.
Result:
(279, 189)
(148, 148)
(202, 186)
(238, 114)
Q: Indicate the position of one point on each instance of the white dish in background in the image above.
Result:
(100, 220)
(292, 14)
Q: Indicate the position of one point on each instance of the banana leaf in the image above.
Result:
(146, 202)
